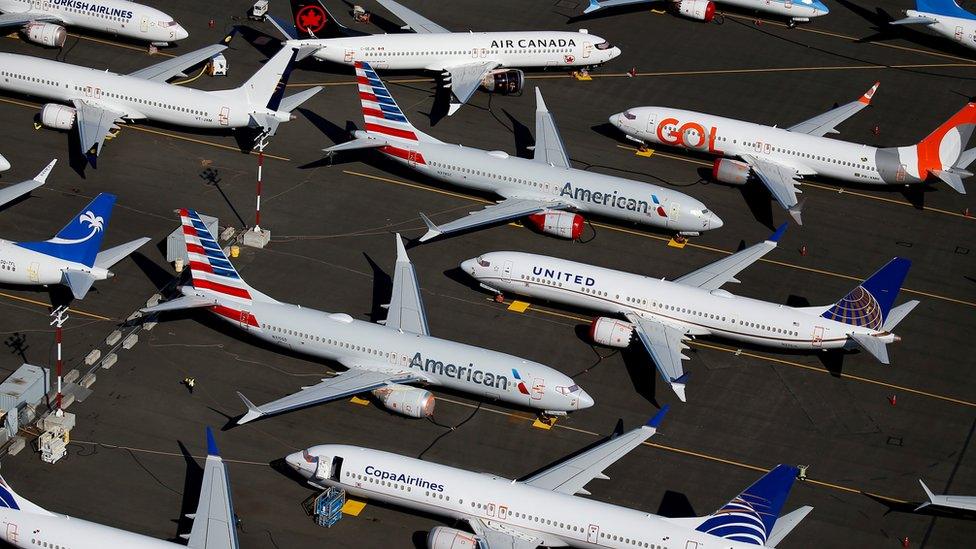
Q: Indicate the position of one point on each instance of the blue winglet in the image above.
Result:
(682, 379)
(212, 449)
(594, 5)
(655, 421)
(779, 232)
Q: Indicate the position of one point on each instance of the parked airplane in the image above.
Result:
(542, 509)
(100, 100)
(382, 359)
(781, 157)
(663, 314)
(466, 60)
(799, 11)
(71, 257)
(43, 22)
(944, 17)
(964, 503)
(27, 525)
(4, 164)
(530, 187)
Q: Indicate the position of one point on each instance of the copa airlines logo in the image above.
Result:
(738, 521)
(563, 276)
(464, 373)
(535, 43)
(403, 479)
(613, 200)
(91, 7)
(95, 224)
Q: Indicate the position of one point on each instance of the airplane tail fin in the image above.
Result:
(869, 304)
(942, 151)
(11, 500)
(942, 7)
(81, 238)
(266, 87)
(383, 117)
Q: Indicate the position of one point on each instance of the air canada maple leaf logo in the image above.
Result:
(310, 19)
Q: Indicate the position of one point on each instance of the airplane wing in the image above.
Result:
(570, 476)
(161, 72)
(418, 23)
(549, 147)
(827, 122)
(406, 308)
(510, 208)
(214, 523)
(496, 535)
(594, 5)
(343, 385)
(465, 80)
(13, 192)
(94, 124)
(714, 275)
(781, 182)
(18, 19)
(664, 342)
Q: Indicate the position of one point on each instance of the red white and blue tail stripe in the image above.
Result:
(209, 267)
(380, 111)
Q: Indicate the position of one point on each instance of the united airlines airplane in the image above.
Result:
(944, 17)
(546, 189)
(798, 11)
(101, 100)
(542, 509)
(466, 60)
(42, 21)
(385, 359)
(664, 314)
(781, 157)
(27, 525)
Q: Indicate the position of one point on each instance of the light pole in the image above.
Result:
(59, 316)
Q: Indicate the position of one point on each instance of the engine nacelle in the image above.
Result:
(504, 81)
(562, 224)
(409, 401)
(730, 171)
(57, 116)
(611, 332)
(702, 10)
(442, 537)
(47, 34)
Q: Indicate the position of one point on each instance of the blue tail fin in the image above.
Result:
(750, 516)
(868, 304)
(81, 238)
(943, 7)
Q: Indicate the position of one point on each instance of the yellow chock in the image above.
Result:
(676, 243)
(658, 12)
(353, 507)
(359, 401)
(582, 76)
(518, 307)
(645, 152)
(38, 125)
(544, 423)
(235, 251)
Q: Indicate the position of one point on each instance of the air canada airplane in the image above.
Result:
(28, 525)
(542, 509)
(100, 100)
(42, 22)
(664, 314)
(466, 60)
(944, 17)
(383, 359)
(546, 189)
(798, 11)
(781, 157)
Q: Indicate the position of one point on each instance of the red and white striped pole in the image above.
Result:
(257, 211)
(60, 316)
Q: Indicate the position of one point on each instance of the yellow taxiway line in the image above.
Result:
(48, 306)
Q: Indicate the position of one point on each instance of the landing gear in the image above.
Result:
(791, 23)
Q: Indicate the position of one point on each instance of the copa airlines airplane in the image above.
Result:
(798, 11)
(382, 359)
(663, 314)
(42, 21)
(27, 525)
(71, 257)
(781, 157)
(543, 509)
(944, 17)
(546, 188)
(466, 60)
(100, 100)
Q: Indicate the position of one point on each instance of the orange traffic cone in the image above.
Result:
(632, 72)
(893, 400)
(212, 23)
(499, 298)
(803, 250)
(905, 542)
(966, 213)
(876, 130)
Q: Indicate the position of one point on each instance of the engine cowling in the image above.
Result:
(562, 224)
(409, 401)
(701, 10)
(59, 117)
(442, 537)
(730, 171)
(611, 332)
(504, 81)
(47, 34)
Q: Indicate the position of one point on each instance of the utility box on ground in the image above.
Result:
(176, 245)
(328, 506)
(23, 389)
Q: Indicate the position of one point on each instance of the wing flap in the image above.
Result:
(664, 343)
(506, 210)
(827, 122)
(496, 535)
(549, 146)
(714, 275)
(406, 308)
(163, 71)
(465, 80)
(94, 124)
(781, 182)
(418, 23)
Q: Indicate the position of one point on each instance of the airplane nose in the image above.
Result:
(615, 52)
(181, 33)
(585, 400)
(295, 461)
(615, 119)
(468, 266)
(714, 221)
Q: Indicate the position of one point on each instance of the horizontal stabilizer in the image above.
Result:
(917, 20)
(786, 523)
(358, 143)
(180, 303)
(78, 281)
(13, 192)
(873, 345)
(897, 314)
(107, 258)
(951, 179)
(252, 411)
(294, 101)
(433, 231)
(965, 159)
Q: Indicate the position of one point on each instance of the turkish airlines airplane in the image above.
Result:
(664, 314)
(781, 157)
(29, 526)
(542, 509)
(546, 189)
(798, 11)
(466, 60)
(382, 359)
(43, 21)
(101, 100)
(944, 17)
(72, 257)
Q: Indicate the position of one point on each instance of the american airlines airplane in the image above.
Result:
(71, 257)
(27, 525)
(466, 60)
(664, 314)
(546, 189)
(42, 21)
(944, 17)
(781, 157)
(101, 100)
(382, 359)
(542, 509)
(798, 11)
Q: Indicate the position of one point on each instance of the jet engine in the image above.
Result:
(409, 401)
(504, 81)
(47, 34)
(442, 537)
(611, 332)
(562, 224)
(730, 171)
(702, 10)
(57, 116)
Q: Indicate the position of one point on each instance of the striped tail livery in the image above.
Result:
(751, 516)
(383, 116)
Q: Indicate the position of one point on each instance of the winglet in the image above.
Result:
(401, 249)
(779, 233)
(678, 386)
(212, 449)
(928, 494)
(796, 211)
(540, 103)
(42, 176)
(655, 421)
(594, 5)
(866, 98)
(252, 411)
(433, 231)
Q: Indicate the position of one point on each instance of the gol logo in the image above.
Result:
(683, 136)
(310, 19)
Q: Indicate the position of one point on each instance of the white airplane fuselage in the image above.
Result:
(22, 266)
(798, 10)
(118, 17)
(958, 29)
(31, 530)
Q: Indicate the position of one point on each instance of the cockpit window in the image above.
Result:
(167, 23)
(704, 210)
(630, 116)
(484, 262)
(567, 390)
(603, 46)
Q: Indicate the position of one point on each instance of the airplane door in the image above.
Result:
(491, 510)
(538, 388)
(675, 210)
(692, 545)
(593, 533)
(652, 123)
(12, 534)
(349, 55)
(32, 270)
(818, 333)
(144, 25)
(484, 52)
(412, 157)
(474, 52)
(587, 49)
(502, 512)
(507, 271)
(244, 316)
(958, 35)
(224, 117)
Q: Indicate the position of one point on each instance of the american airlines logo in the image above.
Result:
(403, 479)
(563, 275)
(605, 199)
(464, 373)
(92, 8)
(529, 43)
